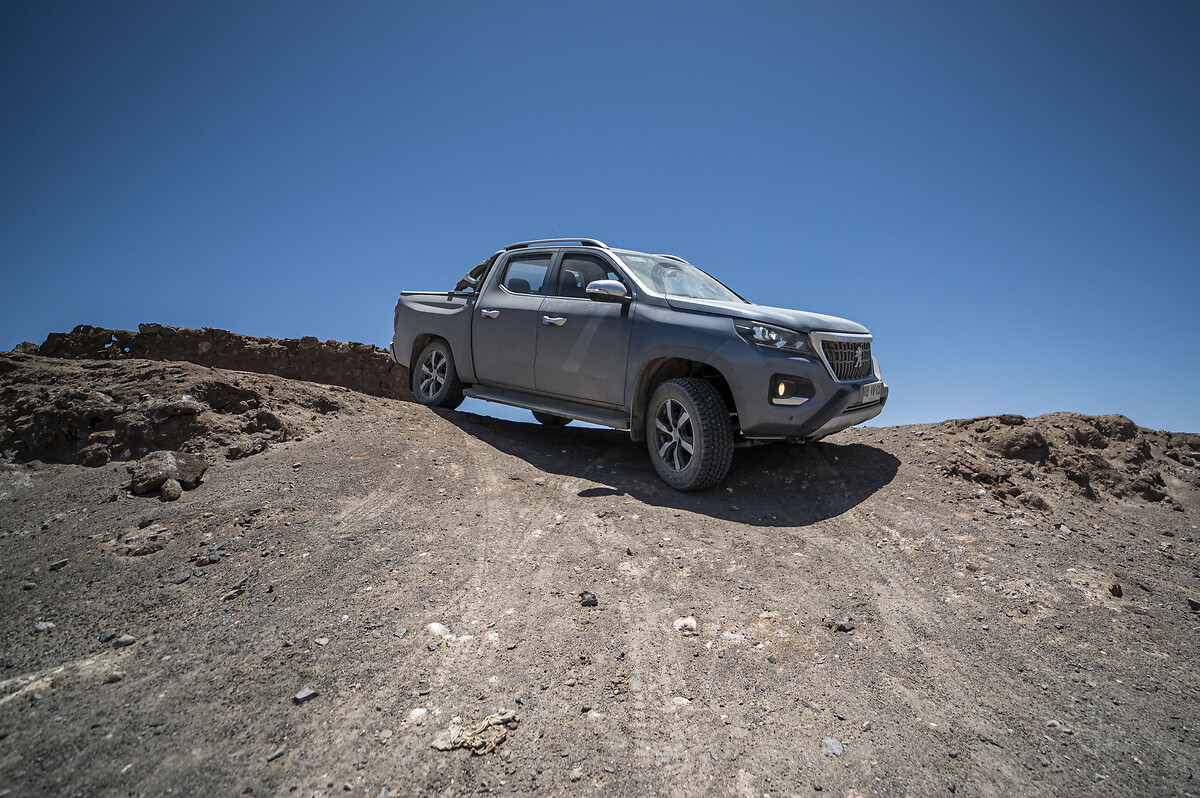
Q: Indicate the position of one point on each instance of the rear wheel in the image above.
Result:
(434, 379)
(689, 434)
(550, 420)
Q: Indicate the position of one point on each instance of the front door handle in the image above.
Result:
(491, 314)
(557, 321)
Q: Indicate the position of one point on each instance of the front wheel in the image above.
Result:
(689, 434)
(434, 379)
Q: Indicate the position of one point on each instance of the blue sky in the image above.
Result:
(1007, 194)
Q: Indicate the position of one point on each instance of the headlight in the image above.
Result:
(769, 337)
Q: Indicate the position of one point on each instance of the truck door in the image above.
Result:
(583, 345)
(504, 332)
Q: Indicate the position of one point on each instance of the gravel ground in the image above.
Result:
(989, 607)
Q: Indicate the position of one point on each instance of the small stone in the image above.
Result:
(57, 566)
(417, 716)
(29, 586)
(305, 695)
(831, 747)
(950, 784)
(432, 646)
(44, 626)
(171, 490)
(1115, 589)
(570, 682)
(813, 705)
(401, 632)
(686, 625)
(322, 641)
(588, 599)
(383, 793)
(576, 774)
(112, 677)
(586, 708)
(1193, 605)
(771, 659)
(180, 578)
(278, 752)
(628, 551)
(107, 635)
(124, 640)
(680, 701)
(845, 626)
(376, 635)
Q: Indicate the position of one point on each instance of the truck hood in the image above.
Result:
(798, 320)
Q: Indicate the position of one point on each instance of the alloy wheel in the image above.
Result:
(673, 435)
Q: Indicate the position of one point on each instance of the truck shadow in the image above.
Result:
(772, 485)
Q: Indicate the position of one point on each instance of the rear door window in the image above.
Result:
(527, 274)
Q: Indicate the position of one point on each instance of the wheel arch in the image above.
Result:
(658, 370)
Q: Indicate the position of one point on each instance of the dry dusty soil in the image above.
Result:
(997, 606)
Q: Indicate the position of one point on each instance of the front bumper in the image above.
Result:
(751, 370)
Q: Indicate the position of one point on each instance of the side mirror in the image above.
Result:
(607, 291)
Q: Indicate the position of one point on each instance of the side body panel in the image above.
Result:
(445, 315)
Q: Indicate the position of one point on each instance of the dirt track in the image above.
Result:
(987, 654)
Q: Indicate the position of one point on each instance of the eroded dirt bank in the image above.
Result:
(995, 607)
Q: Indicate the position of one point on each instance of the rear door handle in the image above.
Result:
(557, 321)
(491, 314)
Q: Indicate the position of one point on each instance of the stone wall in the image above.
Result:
(360, 367)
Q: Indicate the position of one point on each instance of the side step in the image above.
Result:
(558, 407)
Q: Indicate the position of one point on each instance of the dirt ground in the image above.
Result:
(990, 607)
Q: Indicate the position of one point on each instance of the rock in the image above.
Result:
(1193, 605)
(588, 599)
(576, 774)
(171, 490)
(432, 646)
(107, 635)
(124, 640)
(680, 701)
(112, 677)
(321, 641)
(845, 626)
(831, 747)
(154, 469)
(58, 566)
(586, 708)
(686, 625)
(1115, 589)
(813, 705)
(307, 694)
(950, 784)
(417, 716)
(44, 626)
(278, 752)
(438, 629)
(401, 632)
(180, 578)
(383, 793)
(29, 586)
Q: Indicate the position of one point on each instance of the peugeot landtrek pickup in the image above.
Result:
(575, 329)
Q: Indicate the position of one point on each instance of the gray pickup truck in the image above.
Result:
(575, 329)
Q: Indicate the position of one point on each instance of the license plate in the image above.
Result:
(870, 393)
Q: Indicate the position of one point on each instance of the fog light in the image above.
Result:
(790, 391)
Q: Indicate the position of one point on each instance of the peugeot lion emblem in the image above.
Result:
(858, 356)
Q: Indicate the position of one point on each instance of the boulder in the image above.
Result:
(154, 469)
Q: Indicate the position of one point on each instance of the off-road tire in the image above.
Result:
(707, 425)
(434, 379)
(550, 420)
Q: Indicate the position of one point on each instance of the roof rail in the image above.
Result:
(587, 242)
(673, 257)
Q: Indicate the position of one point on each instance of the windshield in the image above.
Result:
(675, 278)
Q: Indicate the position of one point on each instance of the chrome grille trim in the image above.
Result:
(841, 355)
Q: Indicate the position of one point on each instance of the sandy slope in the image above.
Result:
(975, 561)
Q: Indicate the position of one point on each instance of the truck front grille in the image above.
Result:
(849, 360)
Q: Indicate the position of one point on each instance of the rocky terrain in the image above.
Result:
(352, 594)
